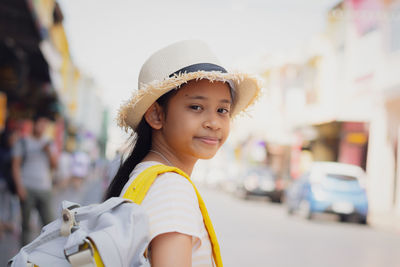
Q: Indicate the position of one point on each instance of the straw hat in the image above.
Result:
(175, 65)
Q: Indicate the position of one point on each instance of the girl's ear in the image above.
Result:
(154, 116)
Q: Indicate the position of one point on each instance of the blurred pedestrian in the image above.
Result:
(8, 201)
(33, 158)
(63, 173)
(80, 167)
(180, 114)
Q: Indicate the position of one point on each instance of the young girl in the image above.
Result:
(181, 113)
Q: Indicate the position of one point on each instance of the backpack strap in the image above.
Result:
(24, 147)
(137, 190)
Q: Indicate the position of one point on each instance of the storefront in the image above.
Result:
(339, 141)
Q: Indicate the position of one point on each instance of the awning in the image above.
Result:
(20, 35)
(27, 55)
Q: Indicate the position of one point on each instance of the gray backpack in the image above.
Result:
(113, 233)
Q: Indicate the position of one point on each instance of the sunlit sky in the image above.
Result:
(110, 40)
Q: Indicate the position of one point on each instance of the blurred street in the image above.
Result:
(258, 233)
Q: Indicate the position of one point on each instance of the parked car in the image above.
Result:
(259, 181)
(330, 187)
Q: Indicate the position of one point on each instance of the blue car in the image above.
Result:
(330, 187)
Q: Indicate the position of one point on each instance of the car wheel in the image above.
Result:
(362, 220)
(343, 218)
(305, 210)
(276, 198)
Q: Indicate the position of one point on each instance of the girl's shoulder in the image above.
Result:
(166, 183)
(146, 164)
(172, 183)
(173, 190)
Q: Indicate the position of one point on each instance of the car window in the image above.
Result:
(341, 177)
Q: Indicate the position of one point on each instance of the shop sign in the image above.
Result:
(3, 110)
(356, 138)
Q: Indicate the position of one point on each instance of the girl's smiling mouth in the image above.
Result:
(209, 140)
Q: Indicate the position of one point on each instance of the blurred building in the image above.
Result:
(363, 59)
(340, 97)
(25, 72)
(90, 116)
(37, 75)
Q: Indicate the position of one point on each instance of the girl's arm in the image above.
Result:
(51, 156)
(171, 250)
(16, 175)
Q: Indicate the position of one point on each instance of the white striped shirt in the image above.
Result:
(172, 206)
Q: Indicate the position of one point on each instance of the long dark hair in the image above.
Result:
(141, 144)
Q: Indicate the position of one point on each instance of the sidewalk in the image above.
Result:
(389, 222)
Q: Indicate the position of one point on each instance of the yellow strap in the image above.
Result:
(138, 188)
(96, 256)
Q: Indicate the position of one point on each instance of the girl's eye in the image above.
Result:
(223, 110)
(196, 107)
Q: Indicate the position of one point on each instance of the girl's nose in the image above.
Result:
(212, 122)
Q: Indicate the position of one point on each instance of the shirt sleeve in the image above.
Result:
(172, 206)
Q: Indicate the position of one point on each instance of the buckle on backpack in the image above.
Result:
(83, 257)
(68, 222)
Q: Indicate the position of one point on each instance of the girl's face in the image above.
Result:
(197, 119)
